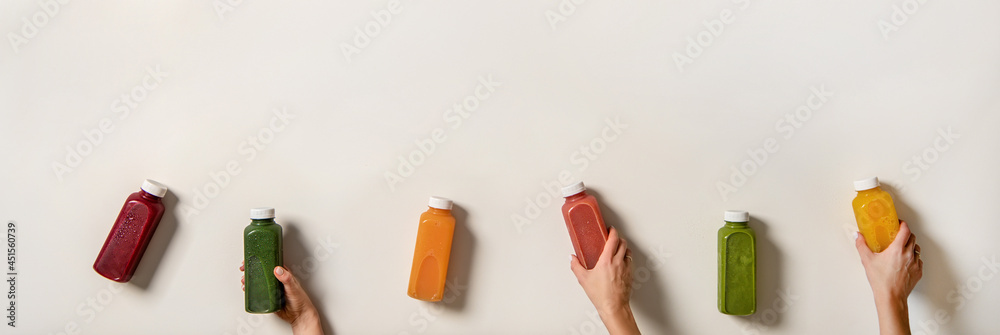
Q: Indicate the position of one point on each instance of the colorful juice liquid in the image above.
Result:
(876, 214)
(261, 254)
(585, 224)
(433, 248)
(737, 265)
(131, 232)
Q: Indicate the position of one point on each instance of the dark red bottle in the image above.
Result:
(131, 233)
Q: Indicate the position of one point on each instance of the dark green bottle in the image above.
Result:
(261, 253)
(737, 265)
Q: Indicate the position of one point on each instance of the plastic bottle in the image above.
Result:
(737, 265)
(131, 232)
(432, 251)
(585, 224)
(261, 253)
(875, 213)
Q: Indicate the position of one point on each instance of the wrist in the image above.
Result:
(618, 319)
(307, 323)
(888, 299)
(893, 314)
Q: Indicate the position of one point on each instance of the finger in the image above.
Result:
(622, 249)
(902, 236)
(241, 266)
(610, 245)
(916, 249)
(863, 251)
(578, 269)
(293, 291)
(628, 261)
(910, 245)
(243, 280)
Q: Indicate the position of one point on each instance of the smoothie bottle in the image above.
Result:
(430, 256)
(737, 265)
(131, 233)
(875, 213)
(261, 253)
(585, 224)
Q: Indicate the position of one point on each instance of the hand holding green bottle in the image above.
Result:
(299, 310)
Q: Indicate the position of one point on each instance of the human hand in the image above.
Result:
(892, 274)
(299, 310)
(609, 284)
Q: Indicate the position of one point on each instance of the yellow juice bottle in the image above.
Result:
(875, 213)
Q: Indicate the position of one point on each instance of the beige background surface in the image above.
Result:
(925, 91)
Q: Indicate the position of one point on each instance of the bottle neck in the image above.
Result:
(261, 222)
(148, 196)
(577, 196)
(870, 190)
(736, 224)
(433, 210)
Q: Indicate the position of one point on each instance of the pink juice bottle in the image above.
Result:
(131, 233)
(585, 224)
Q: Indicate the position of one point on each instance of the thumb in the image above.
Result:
(859, 242)
(294, 293)
(578, 269)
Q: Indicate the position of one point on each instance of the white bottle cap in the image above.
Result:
(154, 188)
(573, 189)
(865, 184)
(737, 216)
(439, 203)
(260, 213)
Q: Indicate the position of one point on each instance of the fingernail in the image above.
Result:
(280, 271)
(570, 256)
(855, 235)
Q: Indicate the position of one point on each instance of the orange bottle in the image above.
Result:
(875, 213)
(585, 224)
(430, 256)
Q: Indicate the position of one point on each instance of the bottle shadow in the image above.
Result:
(770, 281)
(164, 233)
(303, 264)
(647, 292)
(463, 247)
(939, 277)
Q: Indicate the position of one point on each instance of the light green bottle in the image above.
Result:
(737, 265)
(261, 253)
